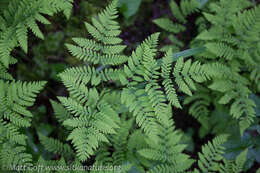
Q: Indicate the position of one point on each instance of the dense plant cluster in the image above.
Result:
(119, 109)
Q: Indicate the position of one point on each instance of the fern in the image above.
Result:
(166, 150)
(90, 124)
(12, 156)
(55, 146)
(143, 94)
(237, 165)
(181, 12)
(119, 143)
(61, 114)
(167, 82)
(15, 98)
(200, 101)
(106, 48)
(211, 154)
(186, 72)
(118, 111)
(21, 16)
(228, 41)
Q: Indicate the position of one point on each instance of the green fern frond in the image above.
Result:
(165, 149)
(7, 43)
(242, 107)
(186, 73)
(189, 6)
(134, 64)
(91, 122)
(168, 25)
(86, 74)
(107, 49)
(4, 74)
(55, 146)
(199, 107)
(11, 133)
(211, 154)
(167, 82)
(186, 8)
(137, 102)
(16, 96)
(234, 166)
(61, 5)
(176, 11)
(12, 156)
(117, 157)
(21, 16)
(221, 50)
(152, 88)
(60, 112)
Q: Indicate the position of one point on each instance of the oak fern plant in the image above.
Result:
(120, 108)
(17, 96)
(131, 97)
(232, 52)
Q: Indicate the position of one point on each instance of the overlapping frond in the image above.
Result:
(211, 154)
(180, 13)
(165, 149)
(93, 119)
(105, 48)
(21, 16)
(55, 146)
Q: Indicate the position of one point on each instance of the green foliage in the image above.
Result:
(232, 51)
(21, 16)
(129, 8)
(55, 146)
(93, 120)
(180, 13)
(106, 48)
(147, 85)
(212, 154)
(165, 149)
(118, 109)
(15, 98)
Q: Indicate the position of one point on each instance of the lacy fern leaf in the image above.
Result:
(106, 48)
(93, 119)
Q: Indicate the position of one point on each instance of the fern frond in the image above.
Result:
(137, 102)
(186, 73)
(200, 102)
(211, 154)
(4, 74)
(165, 149)
(176, 11)
(12, 156)
(86, 74)
(167, 82)
(151, 74)
(60, 112)
(11, 133)
(91, 123)
(221, 50)
(21, 16)
(189, 6)
(16, 96)
(242, 107)
(233, 166)
(168, 25)
(55, 146)
(106, 50)
(134, 64)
